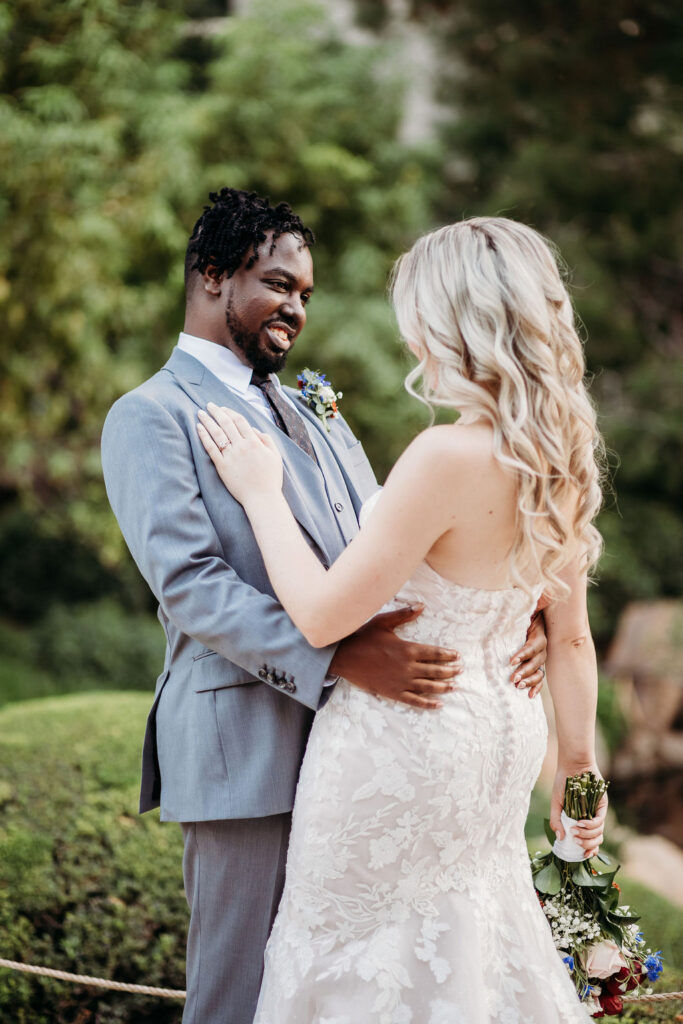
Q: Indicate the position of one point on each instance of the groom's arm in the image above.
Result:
(153, 489)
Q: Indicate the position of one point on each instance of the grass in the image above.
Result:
(89, 886)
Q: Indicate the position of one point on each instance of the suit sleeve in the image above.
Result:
(152, 485)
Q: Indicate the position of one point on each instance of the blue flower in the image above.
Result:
(640, 939)
(569, 961)
(653, 965)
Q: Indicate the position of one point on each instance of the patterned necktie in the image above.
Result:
(286, 418)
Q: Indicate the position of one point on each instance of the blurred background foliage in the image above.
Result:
(118, 117)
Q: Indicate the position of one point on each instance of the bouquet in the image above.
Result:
(598, 940)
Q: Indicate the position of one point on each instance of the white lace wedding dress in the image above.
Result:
(408, 897)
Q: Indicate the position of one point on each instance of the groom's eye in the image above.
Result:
(279, 284)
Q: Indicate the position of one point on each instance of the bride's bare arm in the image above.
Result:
(326, 605)
(573, 683)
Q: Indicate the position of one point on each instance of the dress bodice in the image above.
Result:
(461, 616)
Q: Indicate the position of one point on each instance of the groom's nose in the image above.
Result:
(293, 311)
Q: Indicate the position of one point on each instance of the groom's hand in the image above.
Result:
(375, 659)
(528, 664)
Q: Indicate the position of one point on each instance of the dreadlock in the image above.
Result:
(236, 225)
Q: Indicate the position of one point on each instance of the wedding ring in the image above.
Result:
(222, 447)
(542, 670)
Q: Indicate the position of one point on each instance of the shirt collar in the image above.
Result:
(222, 363)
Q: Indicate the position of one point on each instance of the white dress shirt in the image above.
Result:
(224, 364)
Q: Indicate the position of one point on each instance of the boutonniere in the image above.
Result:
(319, 395)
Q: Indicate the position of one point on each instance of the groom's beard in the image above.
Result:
(262, 360)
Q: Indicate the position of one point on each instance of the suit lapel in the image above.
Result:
(302, 477)
(334, 440)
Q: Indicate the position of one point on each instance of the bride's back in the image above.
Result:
(483, 496)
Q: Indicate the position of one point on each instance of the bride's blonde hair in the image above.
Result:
(483, 303)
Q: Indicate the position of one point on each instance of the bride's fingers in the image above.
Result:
(234, 424)
(226, 421)
(209, 444)
(215, 432)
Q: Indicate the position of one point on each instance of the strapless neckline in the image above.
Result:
(442, 580)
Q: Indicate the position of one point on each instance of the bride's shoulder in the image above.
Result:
(444, 455)
(458, 444)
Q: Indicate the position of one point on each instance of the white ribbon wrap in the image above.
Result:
(568, 849)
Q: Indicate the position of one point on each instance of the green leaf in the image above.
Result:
(609, 901)
(619, 917)
(613, 931)
(548, 880)
(581, 875)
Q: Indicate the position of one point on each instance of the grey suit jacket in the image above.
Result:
(235, 701)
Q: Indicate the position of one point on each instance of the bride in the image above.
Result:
(408, 897)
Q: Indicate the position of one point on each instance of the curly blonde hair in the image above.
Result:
(483, 304)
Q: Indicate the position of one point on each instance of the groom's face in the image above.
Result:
(266, 305)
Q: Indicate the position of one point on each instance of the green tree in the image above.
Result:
(283, 108)
(96, 161)
(115, 124)
(569, 117)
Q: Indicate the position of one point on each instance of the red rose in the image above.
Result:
(614, 986)
(612, 1005)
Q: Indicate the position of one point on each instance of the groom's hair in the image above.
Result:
(234, 227)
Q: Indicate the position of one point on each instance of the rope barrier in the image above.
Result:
(172, 993)
(654, 997)
(85, 979)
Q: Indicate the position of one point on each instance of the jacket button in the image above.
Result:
(339, 507)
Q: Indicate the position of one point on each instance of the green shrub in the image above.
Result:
(80, 647)
(86, 885)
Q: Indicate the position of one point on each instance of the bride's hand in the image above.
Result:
(247, 461)
(590, 831)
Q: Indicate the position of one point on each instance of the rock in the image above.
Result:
(657, 863)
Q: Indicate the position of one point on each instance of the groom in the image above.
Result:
(235, 701)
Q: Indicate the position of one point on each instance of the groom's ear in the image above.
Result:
(211, 281)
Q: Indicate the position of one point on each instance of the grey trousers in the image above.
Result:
(234, 872)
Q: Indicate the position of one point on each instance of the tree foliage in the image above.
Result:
(115, 124)
(569, 117)
(117, 118)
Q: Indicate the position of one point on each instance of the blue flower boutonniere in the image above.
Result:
(319, 395)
